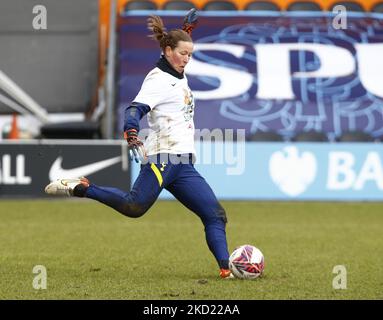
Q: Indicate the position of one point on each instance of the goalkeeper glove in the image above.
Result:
(190, 21)
(135, 146)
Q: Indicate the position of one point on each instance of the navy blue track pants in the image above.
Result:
(177, 175)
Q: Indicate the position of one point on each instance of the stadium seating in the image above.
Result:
(178, 5)
(310, 136)
(262, 6)
(140, 5)
(273, 5)
(219, 5)
(304, 6)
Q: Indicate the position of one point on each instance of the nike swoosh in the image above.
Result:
(57, 171)
(173, 84)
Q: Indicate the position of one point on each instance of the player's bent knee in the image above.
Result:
(134, 210)
(221, 214)
(214, 216)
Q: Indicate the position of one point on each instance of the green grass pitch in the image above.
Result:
(92, 252)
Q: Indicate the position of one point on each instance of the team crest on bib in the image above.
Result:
(189, 105)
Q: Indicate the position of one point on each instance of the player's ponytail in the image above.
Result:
(171, 38)
(156, 26)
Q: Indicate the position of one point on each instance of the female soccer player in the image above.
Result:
(169, 149)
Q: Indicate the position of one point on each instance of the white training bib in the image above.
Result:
(171, 125)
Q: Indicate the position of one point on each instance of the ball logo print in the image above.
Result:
(247, 262)
(291, 172)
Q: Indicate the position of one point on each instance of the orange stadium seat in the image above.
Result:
(378, 7)
(328, 4)
(140, 5)
(262, 5)
(349, 5)
(178, 5)
(220, 5)
(304, 6)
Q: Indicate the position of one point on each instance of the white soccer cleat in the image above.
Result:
(64, 187)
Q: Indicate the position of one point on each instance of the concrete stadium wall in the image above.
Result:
(56, 66)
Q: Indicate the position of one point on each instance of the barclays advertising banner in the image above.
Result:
(285, 171)
(283, 72)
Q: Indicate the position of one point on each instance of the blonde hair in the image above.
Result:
(171, 38)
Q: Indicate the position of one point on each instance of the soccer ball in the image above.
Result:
(247, 262)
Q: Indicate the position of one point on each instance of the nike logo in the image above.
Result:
(57, 171)
(173, 84)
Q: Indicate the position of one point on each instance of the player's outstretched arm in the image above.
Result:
(136, 149)
(133, 115)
